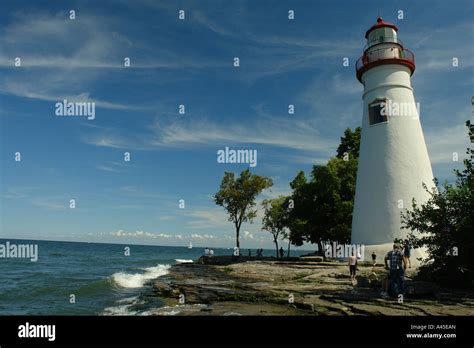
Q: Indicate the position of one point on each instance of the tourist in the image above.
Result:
(352, 262)
(211, 252)
(282, 252)
(374, 258)
(206, 251)
(407, 253)
(397, 269)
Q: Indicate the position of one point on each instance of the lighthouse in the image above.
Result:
(393, 160)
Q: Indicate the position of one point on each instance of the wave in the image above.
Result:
(138, 280)
(183, 261)
(124, 307)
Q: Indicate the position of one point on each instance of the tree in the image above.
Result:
(274, 220)
(445, 226)
(237, 196)
(287, 233)
(323, 205)
(350, 143)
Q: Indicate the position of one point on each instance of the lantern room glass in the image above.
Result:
(381, 35)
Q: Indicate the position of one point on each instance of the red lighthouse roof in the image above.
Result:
(380, 24)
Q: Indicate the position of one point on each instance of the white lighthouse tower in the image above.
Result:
(393, 160)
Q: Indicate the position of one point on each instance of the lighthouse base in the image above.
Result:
(381, 251)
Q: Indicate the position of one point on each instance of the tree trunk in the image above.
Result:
(276, 244)
(320, 248)
(237, 232)
(289, 243)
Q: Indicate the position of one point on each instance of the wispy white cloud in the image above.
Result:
(203, 218)
(443, 142)
(14, 194)
(113, 166)
(139, 234)
(108, 169)
(47, 204)
(146, 235)
(435, 49)
(78, 52)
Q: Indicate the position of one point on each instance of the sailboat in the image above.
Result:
(190, 246)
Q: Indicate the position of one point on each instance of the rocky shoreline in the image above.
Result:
(230, 286)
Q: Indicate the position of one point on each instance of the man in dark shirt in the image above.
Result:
(397, 268)
(374, 258)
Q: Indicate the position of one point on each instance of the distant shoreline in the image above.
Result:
(151, 245)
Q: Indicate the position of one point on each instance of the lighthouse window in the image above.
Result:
(375, 112)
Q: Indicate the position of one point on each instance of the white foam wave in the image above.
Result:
(183, 261)
(125, 307)
(138, 280)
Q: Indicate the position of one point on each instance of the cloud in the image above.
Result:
(435, 49)
(209, 218)
(62, 58)
(206, 236)
(139, 234)
(108, 169)
(14, 194)
(201, 19)
(279, 132)
(248, 235)
(46, 204)
(145, 235)
(114, 167)
(442, 142)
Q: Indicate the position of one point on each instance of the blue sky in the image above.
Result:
(190, 62)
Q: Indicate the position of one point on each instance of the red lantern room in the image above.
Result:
(383, 47)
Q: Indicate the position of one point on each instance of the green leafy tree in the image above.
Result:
(350, 143)
(237, 196)
(444, 225)
(287, 233)
(323, 205)
(276, 215)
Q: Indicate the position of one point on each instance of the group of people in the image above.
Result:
(396, 262)
(281, 252)
(208, 252)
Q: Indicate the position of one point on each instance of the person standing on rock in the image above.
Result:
(374, 258)
(352, 262)
(398, 265)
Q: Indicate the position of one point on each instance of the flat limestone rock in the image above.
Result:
(274, 287)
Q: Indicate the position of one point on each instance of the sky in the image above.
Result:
(190, 62)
